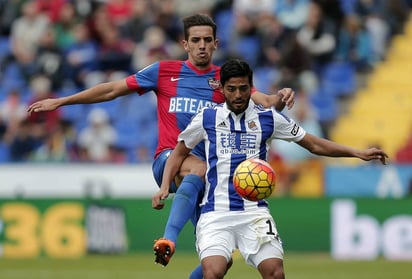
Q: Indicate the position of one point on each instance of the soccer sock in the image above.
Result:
(197, 273)
(183, 206)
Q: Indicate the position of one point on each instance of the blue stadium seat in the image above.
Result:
(249, 48)
(347, 6)
(339, 78)
(264, 78)
(128, 134)
(224, 19)
(325, 104)
(4, 153)
(4, 47)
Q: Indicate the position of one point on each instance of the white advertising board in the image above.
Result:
(76, 180)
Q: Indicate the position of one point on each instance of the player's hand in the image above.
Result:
(287, 96)
(374, 153)
(43, 105)
(159, 198)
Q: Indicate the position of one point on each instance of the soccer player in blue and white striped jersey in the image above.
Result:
(232, 132)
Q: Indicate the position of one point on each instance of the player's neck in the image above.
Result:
(199, 68)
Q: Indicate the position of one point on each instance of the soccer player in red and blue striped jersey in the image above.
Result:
(182, 88)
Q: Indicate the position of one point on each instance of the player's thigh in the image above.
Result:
(260, 240)
(214, 236)
(193, 165)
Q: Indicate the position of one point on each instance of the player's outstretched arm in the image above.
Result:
(324, 147)
(173, 164)
(284, 97)
(100, 93)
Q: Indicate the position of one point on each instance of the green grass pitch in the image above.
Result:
(141, 266)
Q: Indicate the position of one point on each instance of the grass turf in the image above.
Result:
(297, 266)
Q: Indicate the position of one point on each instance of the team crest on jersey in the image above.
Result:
(252, 125)
(214, 83)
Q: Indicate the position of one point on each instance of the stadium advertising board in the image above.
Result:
(392, 181)
(60, 228)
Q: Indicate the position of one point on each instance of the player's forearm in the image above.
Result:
(278, 103)
(324, 147)
(97, 94)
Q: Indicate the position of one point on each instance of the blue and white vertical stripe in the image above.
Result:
(230, 139)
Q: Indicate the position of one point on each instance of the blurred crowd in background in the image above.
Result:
(51, 48)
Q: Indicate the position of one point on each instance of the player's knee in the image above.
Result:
(211, 272)
(272, 269)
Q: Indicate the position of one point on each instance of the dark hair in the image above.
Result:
(235, 68)
(198, 20)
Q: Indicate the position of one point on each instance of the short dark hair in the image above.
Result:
(198, 20)
(235, 68)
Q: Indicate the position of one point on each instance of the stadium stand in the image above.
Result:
(381, 112)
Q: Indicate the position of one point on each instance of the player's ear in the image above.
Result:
(185, 45)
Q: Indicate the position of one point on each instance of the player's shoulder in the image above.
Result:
(163, 65)
(261, 109)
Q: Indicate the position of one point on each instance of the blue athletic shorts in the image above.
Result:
(158, 168)
(160, 162)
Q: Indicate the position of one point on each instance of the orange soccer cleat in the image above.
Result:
(163, 250)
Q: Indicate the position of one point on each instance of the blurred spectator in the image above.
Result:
(317, 37)
(51, 8)
(114, 52)
(138, 22)
(12, 113)
(397, 13)
(254, 8)
(56, 146)
(81, 56)
(98, 22)
(49, 59)
(27, 139)
(166, 17)
(40, 87)
(26, 33)
(332, 12)
(252, 18)
(372, 12)
(9, 11)
(354, 45)
(154, 47)
(66, 21)
(296, 67)
(119, 11)
(185, 8)
(97, 139)
(404, 154)
(275, 40)
(292, 13)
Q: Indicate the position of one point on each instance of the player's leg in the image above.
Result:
(261, 245)
(197, 273)
(271, 269)
(183, 208)
(215, 242)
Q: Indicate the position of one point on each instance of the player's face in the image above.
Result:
(200, 46)
(237, 92)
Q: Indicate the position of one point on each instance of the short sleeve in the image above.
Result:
(286, 128)
(194, 132)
